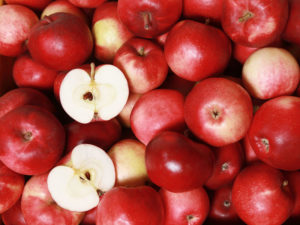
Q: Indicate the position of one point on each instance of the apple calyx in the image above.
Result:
(100, 94)
(77, 185)
(247, 15)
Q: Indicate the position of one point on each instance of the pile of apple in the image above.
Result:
(149, 112)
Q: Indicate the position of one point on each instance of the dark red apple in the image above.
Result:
(218, 111)
(176, 163)
(7, 82)
(133, 206)
(60, 41)
(194, 50)
(143, 63)
(90, 217)
(185, 208)
(14, 215)
(33, 4)
(149, 18)
(250, 155)
(87, 3)
(292, 29)
(31, 140)
(254, 23)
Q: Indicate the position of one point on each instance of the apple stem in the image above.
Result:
(246, 16)
(141, 51)
(225, 166)
(285, 183)
(226, 203)
(27, 136)
(265, 142)
(147, 20)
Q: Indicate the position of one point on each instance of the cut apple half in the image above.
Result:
(77, 185)
(100, 95)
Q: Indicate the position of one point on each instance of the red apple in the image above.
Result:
(6, 79)
(185, 208)
(135, 206)
(161, 39)
(149, 18)
(157, 111)
(90, 217)
(29, 73)
(11, 186)
(261, 195)
(275, 133)
(16, 22)
(228, 163)
(241, 52)
(108, 31)
(60, 41)
(218, 111)
(33, 4)
(194, 50)
(292, 29)
(87, 3)
(176, 163)
(100, 133)
(143, 63)
(24, 96)
(38, 206)
(14, 215)
(25, 136)
(254, 23)
(250, 155)
(270, 72)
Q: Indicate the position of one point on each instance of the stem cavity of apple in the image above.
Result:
(225, 166)
(266, 144)
(227, 203)
(147, 17)
(247, 15)
(27, 136)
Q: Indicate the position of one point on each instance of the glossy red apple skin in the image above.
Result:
(241, 52)
(218, 111)
(157, 111)
(185, 208)
(38, 207)
(143, 63)
(25, 137)
(250, 155)
(202, 9)
(90, 216)
(87, 3)
(11, 186)
(176, 163)
(14, 215)
(24, 96)
(149, 19)
(108, 31)
(100, 133)
(275, 133)
(205, 49)
(15, 26)
(229, 161)
(292, 29)
(261, 195)
(222, 211)
(29, 73)
(33, 4)
(254, 23)
(60, 41)
(135, 206)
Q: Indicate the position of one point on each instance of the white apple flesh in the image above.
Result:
(76, 185)
(98, 95)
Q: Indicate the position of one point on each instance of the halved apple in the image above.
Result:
(98, 95)
(77, 184)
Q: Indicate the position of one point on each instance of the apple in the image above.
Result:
(60, 41)
(81, 177)
(33, 4)
(250, 155)
(156, 111)
(90, 217)
(131, 205)
(128, 156)
(24, 96)
(87, 3)
(218, 111)
(143, 63)
(14, 215)
(7, 82)
(254, 23)
(176, 163)
(63, 6)
(229, 161)
(241, 52)
(261, 195)
(161, 39)
(271, 72)
(274, 133)
(11, 186)
(99, 94)
(108, 31)
(16, 22)
(185, 208)
(29, 73)
(25, 136)
(149, 18)
(292, 29)
(100, 133)
(38, 206)
(195, 51)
